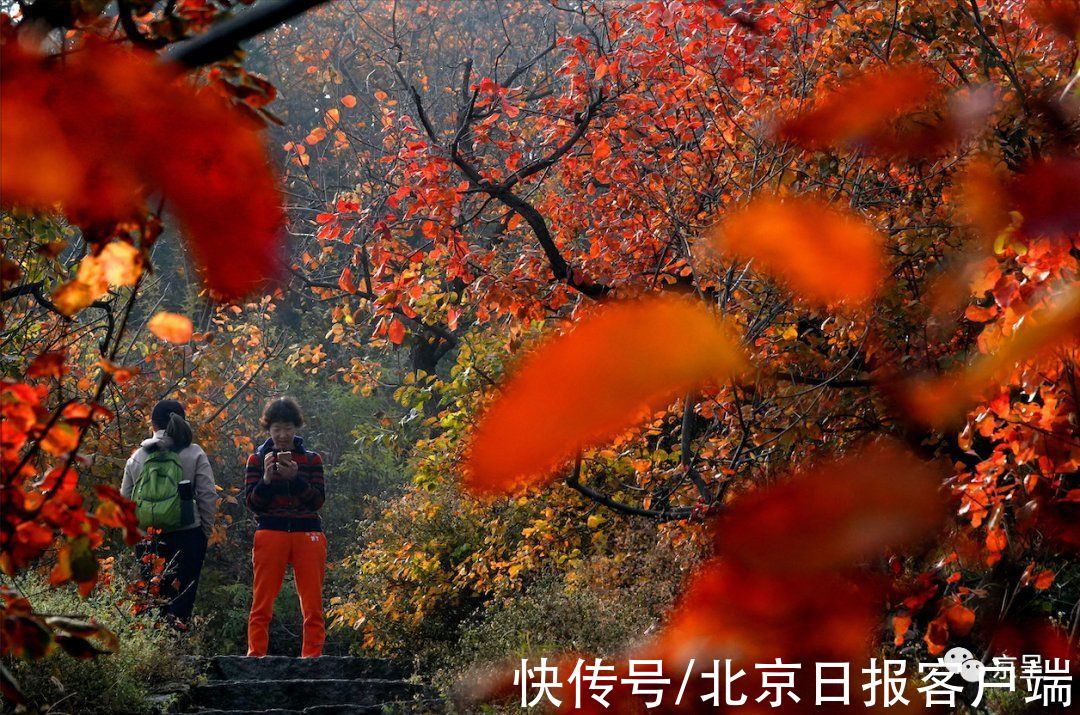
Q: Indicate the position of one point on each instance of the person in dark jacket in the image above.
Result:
(284, 488)
(183, 549)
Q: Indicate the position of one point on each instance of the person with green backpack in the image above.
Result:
(172, 484)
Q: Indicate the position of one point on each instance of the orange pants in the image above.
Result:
(273, 551)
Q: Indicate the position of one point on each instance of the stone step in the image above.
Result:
(279, 667)
(301, 694)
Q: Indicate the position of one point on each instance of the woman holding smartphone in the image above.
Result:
(284, 488)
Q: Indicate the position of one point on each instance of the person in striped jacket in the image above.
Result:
(284, 487)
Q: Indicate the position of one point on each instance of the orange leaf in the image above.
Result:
(49, 364)
(601, 149)
(61, 572)
(60, 439)
(859, 109)
(119, 374)
(121, 263)
(979, 314)
(396, 331)
(171, 327)
(345, 281)
(824, 254)
(836, 514)
(116, 511)
(579, 389)
(1044, 579)
(82, 415)
(901, 622)
(381, 95)
(72, 297)
(89, 284)
(937, 635)
(99, 130)
(996, 540)
(349, 101)
(960, 619)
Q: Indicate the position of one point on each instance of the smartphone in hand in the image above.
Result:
(270, 466)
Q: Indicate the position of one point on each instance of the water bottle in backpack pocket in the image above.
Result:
(187, 503)
(157, 491)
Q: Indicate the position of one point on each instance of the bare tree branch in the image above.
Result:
(502, 191)
(225, 37)
(574, 482)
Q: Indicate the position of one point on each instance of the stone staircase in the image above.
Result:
(330, 685)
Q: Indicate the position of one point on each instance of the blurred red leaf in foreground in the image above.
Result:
(171, 327)
(825, 254)
(835, 515)
(943, 399)
(586, 385)
(1042, 194)
(860, 108)
(1045, 195)
(786, 581)
(1062, 15)
(900, 111)
(106, 127)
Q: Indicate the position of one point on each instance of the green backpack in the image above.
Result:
(157, 491)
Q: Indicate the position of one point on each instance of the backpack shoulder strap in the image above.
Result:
(161, 455)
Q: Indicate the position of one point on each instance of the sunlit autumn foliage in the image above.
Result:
(849, 181)
(98, 134)
(85, 135)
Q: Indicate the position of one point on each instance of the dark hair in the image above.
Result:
(159, 416)
(168, 415)
(179, 431)
(281, 409)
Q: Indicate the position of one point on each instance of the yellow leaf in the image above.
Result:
(72, 297)
(121, 263)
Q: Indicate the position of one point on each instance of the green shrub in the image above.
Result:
(150, 659)
(550, 618)
(607, 604)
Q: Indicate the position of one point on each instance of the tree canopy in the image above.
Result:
(783, 295)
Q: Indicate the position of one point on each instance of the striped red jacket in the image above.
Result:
(286, 505)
